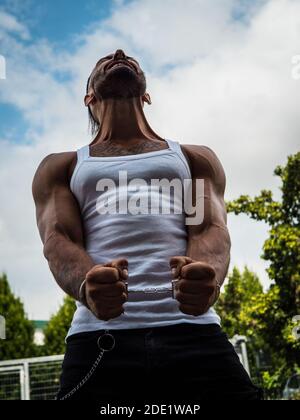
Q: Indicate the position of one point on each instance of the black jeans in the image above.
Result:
(164, 364)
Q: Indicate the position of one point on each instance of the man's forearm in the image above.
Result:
(68, 263)
(212, 245)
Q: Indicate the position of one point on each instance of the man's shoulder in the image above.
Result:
(57, 160)
(196, 151)
(55, 168)
(204, 162)
(57, 163)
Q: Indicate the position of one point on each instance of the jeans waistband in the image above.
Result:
(176, 329)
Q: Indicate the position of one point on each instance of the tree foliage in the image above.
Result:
(58, 327)
(273, 311)
(19, 330)
(242, 291)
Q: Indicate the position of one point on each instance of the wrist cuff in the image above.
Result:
(82, 295)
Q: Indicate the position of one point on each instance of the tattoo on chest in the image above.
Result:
(110, 150)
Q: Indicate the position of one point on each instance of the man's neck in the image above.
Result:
(123, 120)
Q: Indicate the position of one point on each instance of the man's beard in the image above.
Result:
(119, 83)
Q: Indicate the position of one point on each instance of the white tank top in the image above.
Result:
(146, 240)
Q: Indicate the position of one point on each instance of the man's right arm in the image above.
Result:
(60, 226)
(59, 223)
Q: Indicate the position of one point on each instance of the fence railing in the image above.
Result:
(30, 379)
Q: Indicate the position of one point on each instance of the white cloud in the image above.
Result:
(213, 80)
(9, 23)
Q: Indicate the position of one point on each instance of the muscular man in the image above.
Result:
(119, 266)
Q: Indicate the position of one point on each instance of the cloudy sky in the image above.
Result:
(219, 73)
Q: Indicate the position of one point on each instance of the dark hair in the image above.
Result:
(93, 124)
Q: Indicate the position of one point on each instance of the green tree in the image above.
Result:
(57, 328)
(274, 310)
(19, 330)
(242, 291)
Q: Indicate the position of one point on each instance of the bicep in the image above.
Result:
(206, 166)
(57, 210)
(60, 215)
(210, 208)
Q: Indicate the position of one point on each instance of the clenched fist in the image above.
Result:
(105, 290)
(196, 288)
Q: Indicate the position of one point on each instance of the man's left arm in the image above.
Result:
(203, 269)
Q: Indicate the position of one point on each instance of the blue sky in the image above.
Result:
(218, 72)
(59, 22)
(12, 123)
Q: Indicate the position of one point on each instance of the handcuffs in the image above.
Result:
(147, 290)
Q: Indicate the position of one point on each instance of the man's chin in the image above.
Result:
(121, 83)
(121, 68)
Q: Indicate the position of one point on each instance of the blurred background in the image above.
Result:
(222, 73)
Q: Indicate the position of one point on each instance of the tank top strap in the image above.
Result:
(175, 147)
(83, 153)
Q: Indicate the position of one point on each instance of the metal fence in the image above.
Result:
(30, 379)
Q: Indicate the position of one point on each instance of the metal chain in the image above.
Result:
(96, 363)
(150, 290)
(85, 379)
